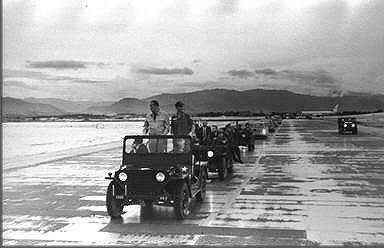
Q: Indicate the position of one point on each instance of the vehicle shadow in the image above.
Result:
(136, 214)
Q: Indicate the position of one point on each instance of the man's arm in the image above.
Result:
(209, 132)
(146, 127)
(166, 124)
(189, 123)
(172, 125)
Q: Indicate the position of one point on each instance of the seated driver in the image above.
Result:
(220, 139)
(179, 145)
(138, 146)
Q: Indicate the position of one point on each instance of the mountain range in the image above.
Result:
(68, 106)
(215, 100)
(17, 107)
(257, 100)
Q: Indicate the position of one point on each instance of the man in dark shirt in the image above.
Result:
(204, 133)
(250, 139)
(220, 139)
(230, 134)
(214, 134)
(138, 146)
(181, 124)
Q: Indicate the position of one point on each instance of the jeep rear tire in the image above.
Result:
(114, 206)
(201, 195)
(223, 169)
(230, 165)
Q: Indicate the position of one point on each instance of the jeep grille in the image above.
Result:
(142, 182)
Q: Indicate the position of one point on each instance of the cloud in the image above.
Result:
(317, 78)
(319, 81)
(224, 78)
(61, 78)
(266, 71)
(165, 71)
(57, 64)
(240, 73)
(91, 82)
(227, 7)
(19, 84)
(68, 64)
(36, 75)
(10, 73)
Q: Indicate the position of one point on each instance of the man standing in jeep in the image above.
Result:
(156, 123)
(181, 123)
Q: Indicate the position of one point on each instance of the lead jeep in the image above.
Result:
(156, 170)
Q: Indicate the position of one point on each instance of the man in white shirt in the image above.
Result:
(156, 123)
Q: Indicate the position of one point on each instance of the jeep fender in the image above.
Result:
(117, 182)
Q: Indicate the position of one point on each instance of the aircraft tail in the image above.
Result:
(336, 108)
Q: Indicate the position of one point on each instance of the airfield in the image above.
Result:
(304, 185)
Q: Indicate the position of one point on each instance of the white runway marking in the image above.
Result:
(93, 208)
(93, 198)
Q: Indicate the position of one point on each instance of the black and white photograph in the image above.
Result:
(192, 123)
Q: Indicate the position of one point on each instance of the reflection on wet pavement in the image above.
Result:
(305, 185)
(333, 189)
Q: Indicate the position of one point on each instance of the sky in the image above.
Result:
(107, 50)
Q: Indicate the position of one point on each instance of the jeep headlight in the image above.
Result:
(243, 135)
(345, 125)
(353, 125)
(264, 132)
(123, 176)
(210, 154)
(160, 177)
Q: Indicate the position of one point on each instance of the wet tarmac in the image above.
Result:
(305, 185)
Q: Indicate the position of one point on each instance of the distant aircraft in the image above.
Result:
(321, 112)
(228, 118)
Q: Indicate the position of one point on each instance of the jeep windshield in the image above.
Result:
(257, 125)
(156, 144)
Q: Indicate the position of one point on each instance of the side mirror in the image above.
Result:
(110, 174)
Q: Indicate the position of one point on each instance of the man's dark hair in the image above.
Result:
(155, 102)
(179, 104)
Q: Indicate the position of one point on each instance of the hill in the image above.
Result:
(215, 100)
(257, 100)
(126, 105)
(17, 107)
(68, 106)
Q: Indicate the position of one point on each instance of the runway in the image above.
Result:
(304, 185)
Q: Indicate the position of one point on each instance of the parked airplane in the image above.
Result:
(321, 112)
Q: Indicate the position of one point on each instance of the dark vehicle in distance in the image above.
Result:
(347, 125)
(156, 170)
(219, 158)
(247, 138)
(260, 130)
(271, 125)
(277, 119)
